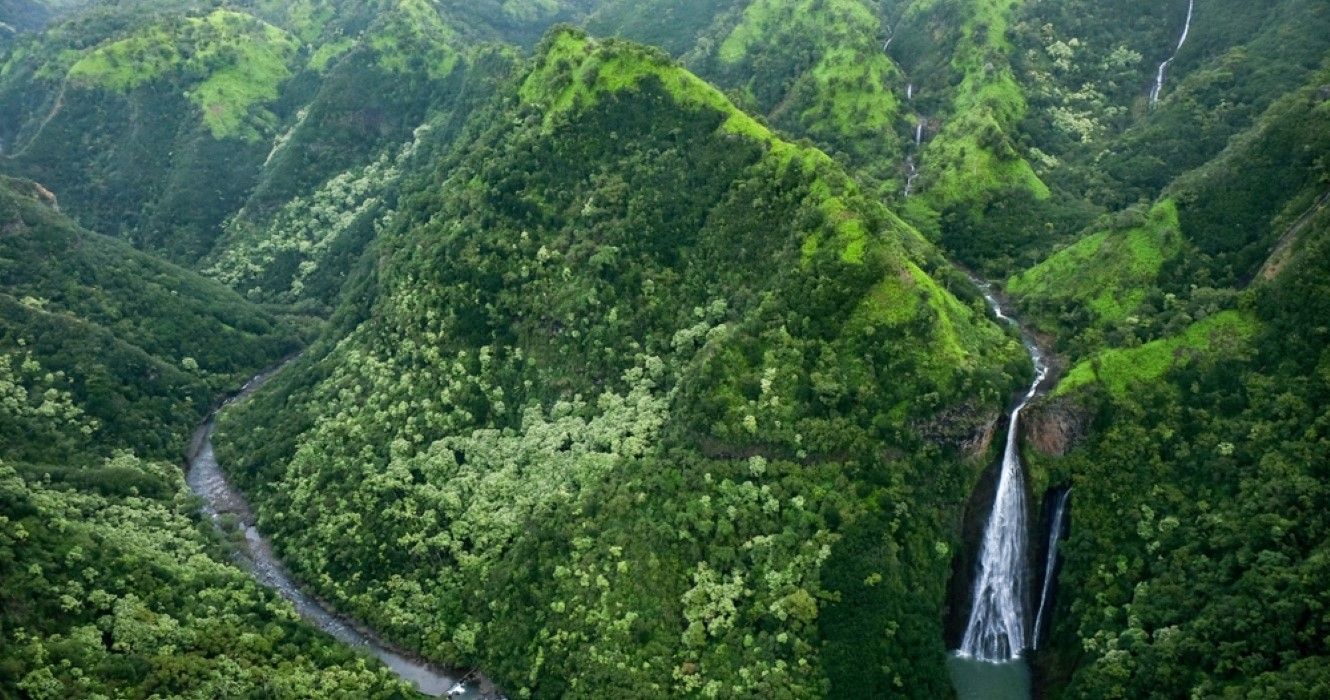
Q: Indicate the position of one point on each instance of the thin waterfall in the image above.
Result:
(1163, 67)
(999, 613)
(1055, 527)
(919, 132)
(909, 91)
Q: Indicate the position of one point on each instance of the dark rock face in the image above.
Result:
(1055, 426)
(964, 428)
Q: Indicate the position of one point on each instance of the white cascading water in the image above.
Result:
(911, 174)
(1163, 67)
(998, 622)
(919, 133)
(1055, 526)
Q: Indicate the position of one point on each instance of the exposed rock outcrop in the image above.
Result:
(1054, 426)
(965, 427)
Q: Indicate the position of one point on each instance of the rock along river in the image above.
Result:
(205, 478)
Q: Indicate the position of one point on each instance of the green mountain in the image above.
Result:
(638, 358)
(629, 343)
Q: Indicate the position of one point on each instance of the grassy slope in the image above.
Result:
(1109, 272)
(813, 68)
(1119, 369)
(231, 61)
(849, 86)
(602, 69)
(413, 33)
(974, 153)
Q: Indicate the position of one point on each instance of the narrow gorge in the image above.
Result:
(990, 660)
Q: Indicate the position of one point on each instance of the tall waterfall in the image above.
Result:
(1055, 527)
(999, 611)
(1163, 67)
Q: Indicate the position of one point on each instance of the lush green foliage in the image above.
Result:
(1199, 538)
(604, 393)
(140, 346)
(111, 588)
(239, 62)
(626, 393)
(247, 115)
(109, 584)
(1198, 554)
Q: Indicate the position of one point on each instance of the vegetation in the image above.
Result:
(109, 583)
(640, 369)
(140, 347)
(973, 155)
(1195, 562)
(639, 391)
(240, 62)
(112, 587)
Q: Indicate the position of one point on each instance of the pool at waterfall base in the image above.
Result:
(987, 680)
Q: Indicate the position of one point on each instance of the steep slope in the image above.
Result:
(248, 110)
(108, 583)
(1214, 230)
(918, 98)
(297, 238)
(1199, 544)
(814, 69)
(207, 81)
(636, 396)
(1199, 378)
(138, 345)
(1238, 59)
(1089, 67)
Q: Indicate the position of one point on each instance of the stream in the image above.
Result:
(989, 664)
(206, 478)
(1163, 67)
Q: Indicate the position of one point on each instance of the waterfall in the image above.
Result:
(919, 132)
(911, 174)
(998, 623)
(1055, 527)
(909, 91)
(1163, 67)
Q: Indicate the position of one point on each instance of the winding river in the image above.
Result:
(206, 478)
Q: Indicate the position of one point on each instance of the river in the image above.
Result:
(206, 478)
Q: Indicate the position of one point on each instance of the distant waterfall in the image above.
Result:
(1055, 526)
(919, 133)
(1163, 67)
(998, 622)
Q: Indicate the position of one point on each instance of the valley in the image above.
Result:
(641, 348)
